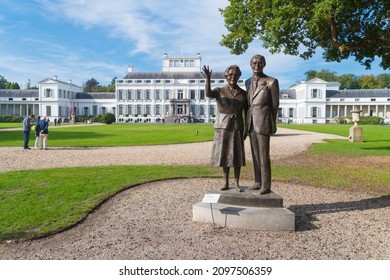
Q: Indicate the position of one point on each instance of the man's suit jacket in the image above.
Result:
(263, 105)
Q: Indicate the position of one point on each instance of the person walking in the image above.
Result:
(26, 130)
(263, 102)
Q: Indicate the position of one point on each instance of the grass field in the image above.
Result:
(10, 125)
(33, 206)
(116, 135)
(37, 203)
(340, 164)
(376, 140)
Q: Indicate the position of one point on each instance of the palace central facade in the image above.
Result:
(176, 94)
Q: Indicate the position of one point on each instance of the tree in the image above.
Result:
(326, 75)
(14, 85)
(3, 82)
(348, 81)
(93, 85)
(384, 80)
(351, 81)
(298, 27)
(90, 85)
(368, 82)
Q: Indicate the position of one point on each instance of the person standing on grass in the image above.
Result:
(26, 130)
(43, 133)
(37, 144)
(228, 146)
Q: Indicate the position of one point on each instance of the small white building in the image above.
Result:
(318, 101)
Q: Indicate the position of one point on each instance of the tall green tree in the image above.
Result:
(91, 85)
(348, 81)
(13, 85)
(3, 82)
(368, 82)
(342, 28)
(326, 75)
(384, 80)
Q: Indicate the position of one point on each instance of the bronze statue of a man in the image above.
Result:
(263, 102)
(228, 146)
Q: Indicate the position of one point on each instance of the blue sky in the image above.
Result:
(80, 40)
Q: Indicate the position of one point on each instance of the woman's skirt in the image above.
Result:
(228, 148)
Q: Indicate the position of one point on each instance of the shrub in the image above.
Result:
(370, 120)
(11, 119)
(340, 120)
(98, 118)
(108, 118)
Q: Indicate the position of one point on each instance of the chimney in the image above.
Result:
(130, 68)
(69, 81)
(55, 77)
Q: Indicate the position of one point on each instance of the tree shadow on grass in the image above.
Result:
(305, 214)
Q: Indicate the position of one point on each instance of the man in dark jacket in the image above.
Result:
(263, 102)
(26, 130)
(43, 127)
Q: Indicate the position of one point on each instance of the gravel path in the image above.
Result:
(329, 224)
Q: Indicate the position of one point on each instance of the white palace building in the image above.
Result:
(177, 94)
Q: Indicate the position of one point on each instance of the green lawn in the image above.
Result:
(341, 164)
(10, 125)
(36, 203)
(117, 135)
(376, 140)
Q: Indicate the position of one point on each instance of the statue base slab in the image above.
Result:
(246, 210)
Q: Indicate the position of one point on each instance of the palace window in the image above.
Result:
(290, 112)
(315, 112)
(147, 97)
(201, 112)
(129, 94)
(315, 93)
(201, 94)
(158, 94)
(167, 94)
(212, 110)
(180, 94)
(139, 93)
(48, 92)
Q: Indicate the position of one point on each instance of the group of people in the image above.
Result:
(241, 112)
(41, 127)
(57, 121)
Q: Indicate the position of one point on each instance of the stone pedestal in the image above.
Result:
(355, 134)
(246, 210)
